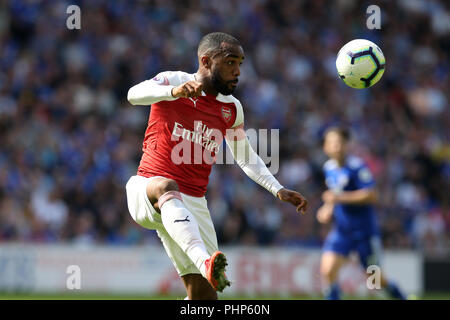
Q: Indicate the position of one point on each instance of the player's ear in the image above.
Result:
(206, 62)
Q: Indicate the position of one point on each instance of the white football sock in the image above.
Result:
(182, 226)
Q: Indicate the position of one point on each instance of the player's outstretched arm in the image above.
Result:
(255, 168)
(148, 92)
(165, 86)
(151, 91)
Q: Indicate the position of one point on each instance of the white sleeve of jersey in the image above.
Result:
(239, 114)
(157, 89)
(252, 165)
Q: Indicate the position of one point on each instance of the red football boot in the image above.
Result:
(215, 271)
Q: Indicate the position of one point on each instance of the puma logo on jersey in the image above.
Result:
(181, 220)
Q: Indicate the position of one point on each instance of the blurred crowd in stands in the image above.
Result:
(69, 139)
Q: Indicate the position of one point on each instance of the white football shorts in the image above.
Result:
(144, 214)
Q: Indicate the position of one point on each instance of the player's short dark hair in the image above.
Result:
(211, 43)
(343, 132)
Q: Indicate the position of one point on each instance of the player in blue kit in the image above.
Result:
(349, 203)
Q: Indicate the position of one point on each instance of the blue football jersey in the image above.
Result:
(356, 221)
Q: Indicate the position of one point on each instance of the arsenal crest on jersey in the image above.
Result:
(226, 113)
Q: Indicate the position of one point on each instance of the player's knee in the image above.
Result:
(156, 190)
(166, 190)
(328, 270)
(167, 185)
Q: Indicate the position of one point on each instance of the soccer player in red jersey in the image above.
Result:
(190, 116)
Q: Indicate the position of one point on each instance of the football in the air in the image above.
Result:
(360, 63)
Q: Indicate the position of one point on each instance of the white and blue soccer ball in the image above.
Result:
(360, 63)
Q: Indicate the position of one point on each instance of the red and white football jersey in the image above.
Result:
(184, 135)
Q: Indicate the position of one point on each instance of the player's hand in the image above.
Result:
(293, 197)
(325, 213)
(190, 89)
(329, 197)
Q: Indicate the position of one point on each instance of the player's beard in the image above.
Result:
(221, 85)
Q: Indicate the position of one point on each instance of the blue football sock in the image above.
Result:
(333, 292)
(394, 291)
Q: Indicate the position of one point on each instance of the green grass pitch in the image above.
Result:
(106, 296)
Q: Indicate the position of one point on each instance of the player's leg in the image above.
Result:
(370, 252)
(330, 264)
(144, 203)
(392, 288)
(181, 221)
(198, 288)
(192, 279)
(333, 257)
(178, 221)
(215, 266)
